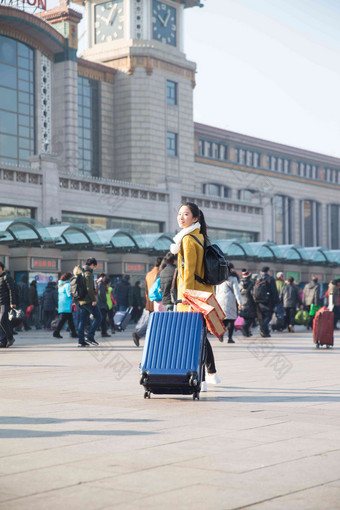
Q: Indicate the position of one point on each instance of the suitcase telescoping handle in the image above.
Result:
(178, 301)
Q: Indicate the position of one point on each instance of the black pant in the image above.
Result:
(110, 314)
(103, 324)
(336, 311)
(246, 326)
(66, 317)
(266, 317)
(4, 322)
(230, 325)
(290, 316)
(210, 361)
(48, 318)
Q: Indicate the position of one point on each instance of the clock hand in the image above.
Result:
(160, 19)
(167, 19)
(112, 15)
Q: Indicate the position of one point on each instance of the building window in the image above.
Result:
(105, 222)
(213, 150)
(247, 157)
(17, 126)
(88, 126)
(247, 195)
(171, 144)
(240, 235)
(171, 92)
(216, 190)
(282, 206)
(12, 211)
(308, 170)
(201, 147)
(310, 223)
(278, 164)
(331, 175)
(334, 226)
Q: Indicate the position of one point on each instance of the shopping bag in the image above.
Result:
(143, 319)
(205, 297)
(313, 309)
(29, 310)
(239, 322)
(214, 323)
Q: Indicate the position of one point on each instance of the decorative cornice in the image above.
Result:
(31, 30)
(26, 39)
(60, 13)
(268, 173)
(128, 64)
(95, 71)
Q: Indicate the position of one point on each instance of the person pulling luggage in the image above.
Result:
(290, 298)
(191, 220)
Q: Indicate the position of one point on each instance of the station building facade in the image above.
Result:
(107, 142)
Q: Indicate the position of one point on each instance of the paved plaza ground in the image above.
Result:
(76, 432)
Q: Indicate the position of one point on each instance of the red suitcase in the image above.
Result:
(323, 328)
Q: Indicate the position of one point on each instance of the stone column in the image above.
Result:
(65, 114)
(48, 167)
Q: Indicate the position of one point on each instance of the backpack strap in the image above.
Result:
(197, 278)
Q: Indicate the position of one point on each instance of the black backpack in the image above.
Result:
(216, 268)
(262, 290)
(78, 287)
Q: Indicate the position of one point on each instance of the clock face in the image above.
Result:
(108, 21)
(164, 28)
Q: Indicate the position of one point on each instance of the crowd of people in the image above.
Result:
(248, 300)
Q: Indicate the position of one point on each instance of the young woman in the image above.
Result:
(190, 263)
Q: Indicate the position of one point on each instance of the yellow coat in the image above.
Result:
(193, 264)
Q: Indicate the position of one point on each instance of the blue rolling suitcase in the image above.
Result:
(173, 355)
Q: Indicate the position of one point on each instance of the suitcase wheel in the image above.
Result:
(195, 395)
(328, 346)
(147, 394)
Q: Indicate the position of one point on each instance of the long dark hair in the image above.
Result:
(197, 213)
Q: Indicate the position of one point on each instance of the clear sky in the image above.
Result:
(268, 68)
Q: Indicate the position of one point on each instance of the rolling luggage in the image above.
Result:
(174, 353)
(323, 328)
(122, 319)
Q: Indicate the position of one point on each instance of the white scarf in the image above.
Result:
(176, 247)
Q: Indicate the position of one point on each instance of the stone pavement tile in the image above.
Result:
(160, 479)
(309, 498)
(46, 479)
(226, 490)
(78, 497)
(195, 495)
(263, 455)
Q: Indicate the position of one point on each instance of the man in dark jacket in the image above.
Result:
(311, 296)
(122, 294)
(266, 298)
(102, 303)
(88, 306)
(248, 310)
(49, 304)
(290, 298)
(168, 278)
(34, 301)
(23, 299)
(137, 301)
(7, 301)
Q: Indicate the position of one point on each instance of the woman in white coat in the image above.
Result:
(229, 297)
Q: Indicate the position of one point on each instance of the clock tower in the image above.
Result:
(153, 133)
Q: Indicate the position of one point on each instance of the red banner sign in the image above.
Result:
(46, 264)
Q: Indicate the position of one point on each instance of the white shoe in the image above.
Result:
(204, 386)
(212, 378)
